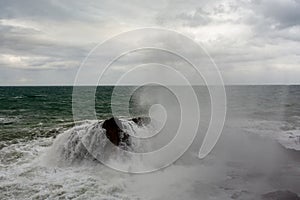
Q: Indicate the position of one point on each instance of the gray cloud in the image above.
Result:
(44, 41)
(284, 13)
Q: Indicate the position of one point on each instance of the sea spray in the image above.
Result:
(88, 143)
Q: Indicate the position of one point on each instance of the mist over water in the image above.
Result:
(256, 154)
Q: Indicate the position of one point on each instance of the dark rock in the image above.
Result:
(115, 133)
(280, 195)
(141, 121)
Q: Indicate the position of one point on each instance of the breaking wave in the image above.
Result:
(88, 142)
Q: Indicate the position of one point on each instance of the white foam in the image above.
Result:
(273, 129)
(290, 139)
(239, 169)
(4, 120)
(25, 175)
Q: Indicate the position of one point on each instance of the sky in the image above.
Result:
(43, 42)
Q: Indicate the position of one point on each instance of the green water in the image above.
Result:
(29, 112)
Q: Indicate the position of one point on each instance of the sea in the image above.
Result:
(258, 151)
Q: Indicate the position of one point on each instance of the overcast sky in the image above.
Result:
(42, 42)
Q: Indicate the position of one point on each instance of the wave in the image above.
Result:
(286, 134)
(7, 121)
(18, 97)
(29, 96)
(36, 96)
(290, 140)
(90, 141)
(45, 168)
(24, 175)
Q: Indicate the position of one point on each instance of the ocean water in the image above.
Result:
(258, 152)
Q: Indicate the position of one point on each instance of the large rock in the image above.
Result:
(141, 121)
(280, 195)
(115, 133)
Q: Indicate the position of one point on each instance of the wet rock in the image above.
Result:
(141, 121)
(115, 133)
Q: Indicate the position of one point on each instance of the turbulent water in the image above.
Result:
(42, 155)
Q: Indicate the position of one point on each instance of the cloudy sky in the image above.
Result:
(43, 42)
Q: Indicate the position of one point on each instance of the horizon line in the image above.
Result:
(87, 85)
